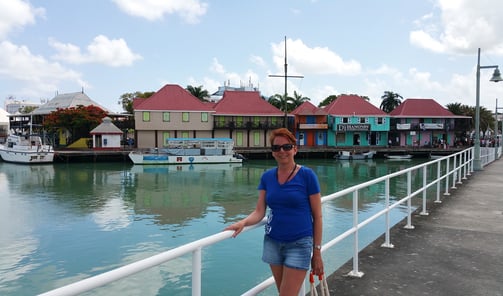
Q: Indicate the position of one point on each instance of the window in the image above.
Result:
(204, 117)
(165, 116)
(146, 116)
(380, 120)
(345, 120)
(256, 139)
(185, 116)
(165, 137)
(239, 138)
(363, 119)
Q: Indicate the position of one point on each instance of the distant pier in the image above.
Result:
(121, 155)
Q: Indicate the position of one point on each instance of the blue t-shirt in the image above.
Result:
(290, 216)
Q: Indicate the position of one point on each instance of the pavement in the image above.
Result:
(455, 250)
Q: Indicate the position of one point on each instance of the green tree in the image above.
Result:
(390, 101)
(198, 92)
(297, 100)
(126, 100)
(78, 120)
(327, 101)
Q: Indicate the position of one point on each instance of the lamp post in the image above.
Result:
(477, 165)
(496, 143)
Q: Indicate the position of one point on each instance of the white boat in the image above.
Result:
(27, 149)
(189, 151)
(398, 156)
(348, 155)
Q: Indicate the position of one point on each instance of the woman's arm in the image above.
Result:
(255, 217)
(316, 260)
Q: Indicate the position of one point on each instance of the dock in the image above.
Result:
(455, 250)
(121, 154)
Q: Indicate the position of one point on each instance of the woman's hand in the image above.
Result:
(237, 227)
(317, 263)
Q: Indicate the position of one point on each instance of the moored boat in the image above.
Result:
(26, 149)
(348, 155)
(189, 151)
(398, 156)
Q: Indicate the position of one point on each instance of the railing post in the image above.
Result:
(409, 202)
(447, 172)
(424, 212)
(387, 243)
(355, 272)
(196, 272)
(460, 170)
(437, 200)
(454, 172)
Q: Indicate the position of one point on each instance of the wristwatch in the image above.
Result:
(318, 247)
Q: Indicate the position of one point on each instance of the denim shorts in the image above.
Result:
(296, 254)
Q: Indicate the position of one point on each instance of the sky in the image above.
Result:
(415, 48)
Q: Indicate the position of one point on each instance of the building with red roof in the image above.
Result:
(310, 125)
(173, 112)
(245, 117)
(424, 122)
(353, 121)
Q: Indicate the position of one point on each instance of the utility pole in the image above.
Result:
(285, 124)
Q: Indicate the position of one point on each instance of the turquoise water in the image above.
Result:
(64, 222)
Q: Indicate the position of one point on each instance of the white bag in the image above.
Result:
(323, 285)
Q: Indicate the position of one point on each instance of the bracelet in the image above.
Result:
(318, 247)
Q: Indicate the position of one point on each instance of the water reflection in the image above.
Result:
(63, 222)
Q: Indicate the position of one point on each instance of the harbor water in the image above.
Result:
(60, 223)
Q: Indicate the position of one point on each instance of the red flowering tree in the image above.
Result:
(78, 120)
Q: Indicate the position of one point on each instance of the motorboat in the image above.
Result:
(349, 155)
(189, 151)
(27, 149)
(398, 156)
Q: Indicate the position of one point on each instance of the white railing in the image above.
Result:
(457, 167)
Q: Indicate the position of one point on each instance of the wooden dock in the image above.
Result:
(121, 155)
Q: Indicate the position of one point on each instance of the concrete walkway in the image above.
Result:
(456, 250)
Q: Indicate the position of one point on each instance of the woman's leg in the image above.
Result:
(292, 280)
(277, 273)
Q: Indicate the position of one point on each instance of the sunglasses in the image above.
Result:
(286, 147)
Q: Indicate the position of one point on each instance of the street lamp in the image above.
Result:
(477, 165)
(496, 140)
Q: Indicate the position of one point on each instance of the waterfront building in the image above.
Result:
(245, 117)
(106, 136)
(35, 119)
(353, 121)
(173, 112)
(425, 123)
(310, 125)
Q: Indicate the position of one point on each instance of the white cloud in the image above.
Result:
(114, 53)
(153, 10)
(16, 14)
(41, 76)
(464, 25)
(316, 60)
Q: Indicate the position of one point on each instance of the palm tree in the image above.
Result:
(297, 100)
(279, 102)
(390, 101)
(198, 92)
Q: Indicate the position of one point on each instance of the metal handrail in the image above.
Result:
(458, 166)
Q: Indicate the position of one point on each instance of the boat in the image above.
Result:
(349, 155)
(189, 151)
(398, 156)
(26, 149)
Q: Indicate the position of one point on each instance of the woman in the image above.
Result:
(292, 241)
